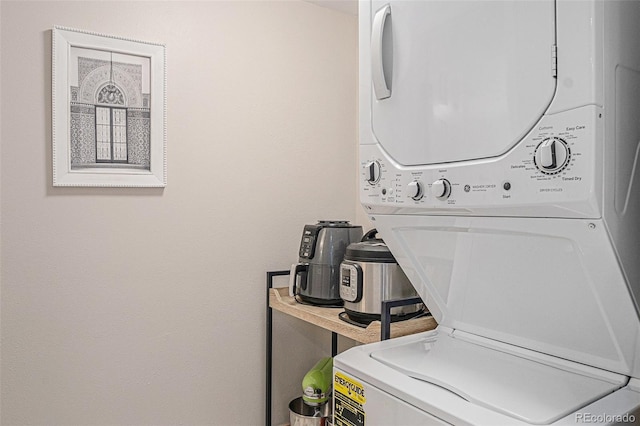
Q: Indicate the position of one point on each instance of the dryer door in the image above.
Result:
(459, 80)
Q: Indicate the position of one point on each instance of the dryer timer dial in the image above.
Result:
(552, 156)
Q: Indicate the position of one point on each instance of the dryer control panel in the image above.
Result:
(550, 173)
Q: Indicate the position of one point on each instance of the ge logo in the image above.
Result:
(467, 188)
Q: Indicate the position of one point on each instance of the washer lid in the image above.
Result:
(459, 80)
(522, 384)
(549, 285)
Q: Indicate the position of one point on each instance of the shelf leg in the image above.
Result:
(334, 344)
(269, 348)
(269, 355)
(385, 327)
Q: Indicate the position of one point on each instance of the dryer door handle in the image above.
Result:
(380, 87)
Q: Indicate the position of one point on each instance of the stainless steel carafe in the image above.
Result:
(315, 278)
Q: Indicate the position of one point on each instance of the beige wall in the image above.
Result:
(146, 306)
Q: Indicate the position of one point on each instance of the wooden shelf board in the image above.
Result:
(327, 318)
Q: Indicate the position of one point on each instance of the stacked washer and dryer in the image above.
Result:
(499, 151)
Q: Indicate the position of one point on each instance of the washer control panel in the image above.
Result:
(552, 168)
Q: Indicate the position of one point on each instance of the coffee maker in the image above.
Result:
(315, 279)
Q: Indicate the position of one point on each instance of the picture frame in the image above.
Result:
(108, 110)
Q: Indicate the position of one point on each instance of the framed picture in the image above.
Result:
(109, 110)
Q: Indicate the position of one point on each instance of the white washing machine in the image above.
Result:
(499, 161)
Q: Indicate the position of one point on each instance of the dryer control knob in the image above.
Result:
(441, 189)
(415, 190)
(372, 172)
(552, 156)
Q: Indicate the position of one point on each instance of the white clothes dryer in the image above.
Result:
(498, 147)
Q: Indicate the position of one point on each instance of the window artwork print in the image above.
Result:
(109, 109)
